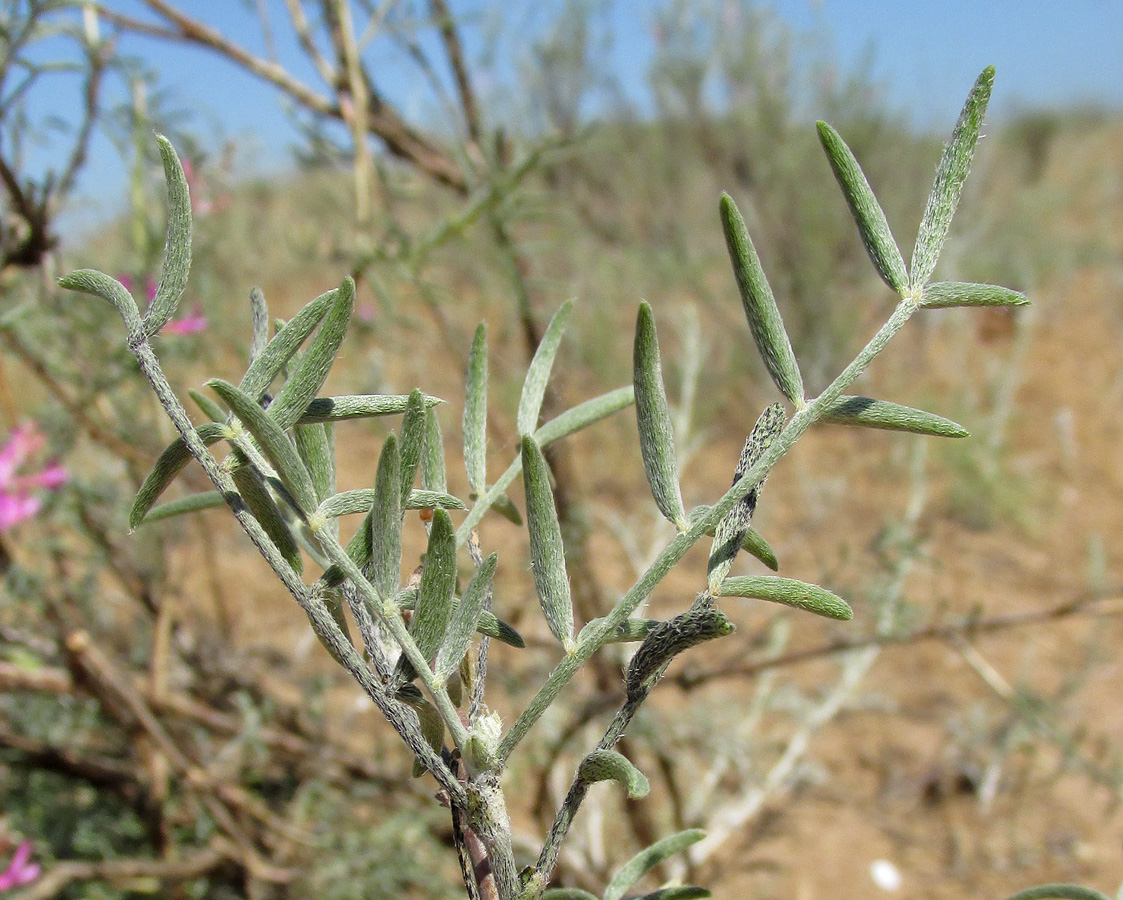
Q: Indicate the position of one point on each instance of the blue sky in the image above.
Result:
(925, 52)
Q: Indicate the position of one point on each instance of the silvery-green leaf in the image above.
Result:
(285, 343)
(385, 523)
(945, 294)
(683, 892)
(438, 581)
(359, 548)
(189, 504)
(177, 246)
(464, 620)
(411, 440)
(865, 209)
(475, 413)
(432, 729)
(584, 414)
(433, 455)
(348, 503)
(870, 413)
(789, 592)
(950, 175)
(316, 448)
(301, 386)
(358, 406)
(760, 306)
(568, 893)
(488, 624)
(505, 506)
(640, 864)
(210, 409)
(653, 416)
(432, 500)
(755, 544)
(259, 312)
(538, 374)
(733, 528)
(260, 502)
(608, 765)
(275, 444)
(91, 281)
(169, 464)
(547, 554)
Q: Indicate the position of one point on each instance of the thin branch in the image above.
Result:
(454, 49)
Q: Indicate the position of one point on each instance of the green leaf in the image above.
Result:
(488, 625)
(177, 245)
(316, 448)
(538, 373)
(757, 546)
(169, 464)
(412, 440)
(760, 306)
(275, 444)
(1059, 891)
(432, 729)
(865, 209)
(640, 864)
(464, 620)
(547, 554)
(608, 765)
(475, 413)
(348, 503)
(91, 281)
(685, 892)
(584, 414)
(438, 581)
(950, 175)
(788, 591)
(945, 294)
(385, 523)
(358, 406)
(568, 893)
(189, 504)
(301, 386)
(259, 312)
(432, 500)
(734, 527)
(433, 455)
(210, 409)
(870, 413)
(653, 416)
(252, 487)
(285, 343)
(633, 630)
(505, 506)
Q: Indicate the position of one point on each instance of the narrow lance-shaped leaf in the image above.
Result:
(869, 413)
(475, 413)
(608, 765)
(682, 892)
(432, 729)
(285, 343)
(950, 175)
(732, 529)
(505, 506)
(488, 624)
(359, 406)
(760, 305)
(315, 445)
(788, 591)
(433, 455)
(260, 502)
(210, 409)
(946, 294)
(259, 312)
(411, 441)
(275, 444)
(547, 554)
(640, 864)
(538, 373)
(177, 245)
(91, 281)
(865, 209)
(385, 523)
(189, 504)
(169, 464)
(653, 416)
(568, 893)
(301, 387)
(755, 544)
(348, 503)
(438, 581)
(464, 620)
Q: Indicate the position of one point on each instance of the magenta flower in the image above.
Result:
(191, 324)
(17, 502)
(20, 870)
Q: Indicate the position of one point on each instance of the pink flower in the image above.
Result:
(191, 324)
(20, 870)
(16, 499)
